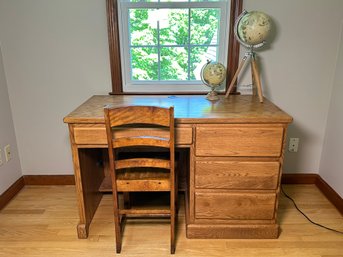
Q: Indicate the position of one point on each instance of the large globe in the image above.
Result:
(253, 27)
(213, 74)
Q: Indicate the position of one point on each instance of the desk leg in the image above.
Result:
(89, 174)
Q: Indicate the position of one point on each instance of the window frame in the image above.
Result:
(115, 52)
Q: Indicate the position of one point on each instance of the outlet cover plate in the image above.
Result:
(293, 144)
(8, 154)
(1, 162)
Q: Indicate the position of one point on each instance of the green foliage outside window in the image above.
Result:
(170, 44)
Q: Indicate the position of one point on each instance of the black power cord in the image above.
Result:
(315, 223)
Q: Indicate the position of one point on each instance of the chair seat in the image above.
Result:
(143, 179)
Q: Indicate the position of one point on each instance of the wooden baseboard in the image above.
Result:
(49, 180)
(330, 194)
(309, 178)
(315, 179)
(11, 192)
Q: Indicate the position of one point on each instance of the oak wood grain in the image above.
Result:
(96, 134)
(229, 139)
(243, 140)
(236, 174)
(236, 206)
(191, 109)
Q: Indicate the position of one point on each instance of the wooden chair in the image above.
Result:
(145, 128)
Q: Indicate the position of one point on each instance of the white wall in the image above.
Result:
(298, 68)
(9, 171)
(331, 165)
(56, 56)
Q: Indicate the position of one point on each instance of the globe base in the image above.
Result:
(212, 96)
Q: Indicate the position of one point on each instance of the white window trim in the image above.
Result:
(169, 86)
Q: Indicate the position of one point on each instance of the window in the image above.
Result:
(163, 44)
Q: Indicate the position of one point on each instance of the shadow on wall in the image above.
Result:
(293, 160)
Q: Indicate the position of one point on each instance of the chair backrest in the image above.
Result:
(140, 126)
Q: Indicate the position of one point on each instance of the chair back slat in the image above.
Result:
(141, 141)
(160, 132)
(133, 127)
(143, 162)
(139, 115)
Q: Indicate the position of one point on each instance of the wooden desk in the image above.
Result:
(235, 161)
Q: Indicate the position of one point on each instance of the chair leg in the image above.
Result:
(173, 211)
(117, 223)
(172, 230)
(172, 220)
(118, 234)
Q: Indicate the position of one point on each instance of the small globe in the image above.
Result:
(213, 74)
(253, 27)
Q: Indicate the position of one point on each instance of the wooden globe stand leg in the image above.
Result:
(254, 73)
(256, 78)
(240, 67)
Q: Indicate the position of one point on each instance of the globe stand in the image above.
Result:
(212, 95)
(254, 42)
(254, 73)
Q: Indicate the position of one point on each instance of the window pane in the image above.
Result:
(143, 27)
(174, 63)
(137, 1)
(176, 0)
(169, 41)
(144, 1)
(207, 0)
(204, 26)
(144, 63)
(199, 56)
(173, 25)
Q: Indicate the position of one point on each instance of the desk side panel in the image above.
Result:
(88, 173)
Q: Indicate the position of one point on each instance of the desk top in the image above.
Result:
(188, 109)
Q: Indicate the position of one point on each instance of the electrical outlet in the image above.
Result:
(293, 144)
(1, 162)
(8, 155)
(245, 89)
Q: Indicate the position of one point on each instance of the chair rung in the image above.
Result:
(143, 185)
(146, 212)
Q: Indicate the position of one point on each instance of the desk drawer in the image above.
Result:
(239, 141)
(237, 206)
(236, 175)
(96, 135)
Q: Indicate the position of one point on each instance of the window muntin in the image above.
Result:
(165, 43)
